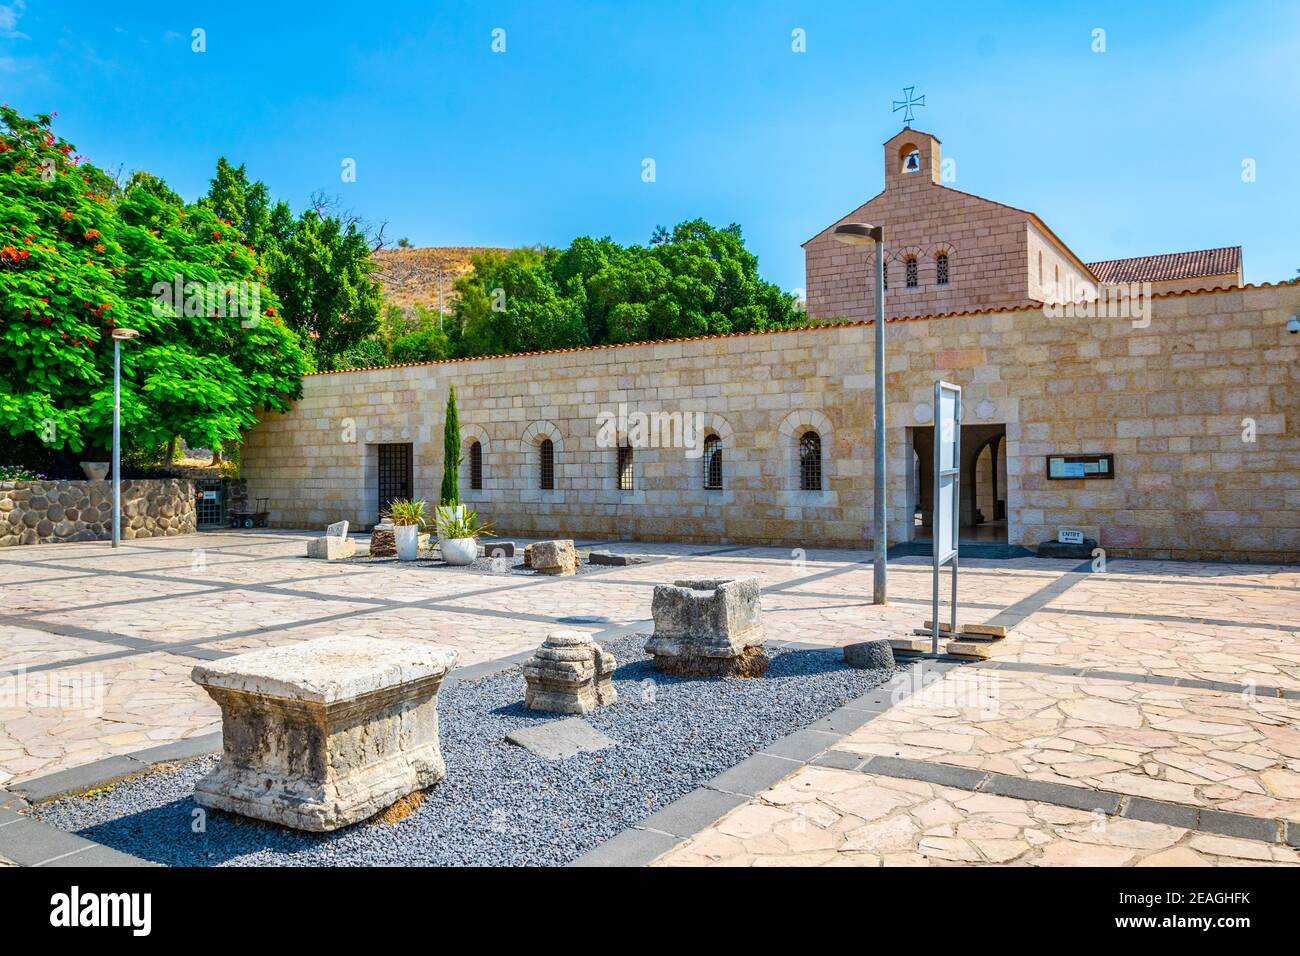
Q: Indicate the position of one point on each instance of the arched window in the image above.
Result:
(713, 463)
(941, 268)
(624, 473)
(476, 466)
(911, 272)
(810, 462)
(546, 465)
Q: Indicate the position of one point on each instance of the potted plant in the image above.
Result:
(458, 533)
(408, 519)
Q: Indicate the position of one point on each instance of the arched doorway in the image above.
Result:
(983, 483)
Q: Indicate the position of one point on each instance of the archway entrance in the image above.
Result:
(983, 483)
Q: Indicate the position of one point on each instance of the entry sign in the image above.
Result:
(1065, 536)
(947, 488)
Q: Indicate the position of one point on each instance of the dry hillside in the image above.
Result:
(411, 276)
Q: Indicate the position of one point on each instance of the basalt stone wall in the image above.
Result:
(39, 512)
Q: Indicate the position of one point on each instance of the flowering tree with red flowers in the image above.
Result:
(80, 257)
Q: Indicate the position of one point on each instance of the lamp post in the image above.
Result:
(861, 234)
(119, 336)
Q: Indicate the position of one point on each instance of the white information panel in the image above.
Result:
(947, 493)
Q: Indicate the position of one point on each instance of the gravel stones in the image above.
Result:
(569, 674)
(500, 804)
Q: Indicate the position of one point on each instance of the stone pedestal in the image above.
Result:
(708, 627)
(382, 543)
(331, 548)
(569, 674)
(552, 557)
(324, 733)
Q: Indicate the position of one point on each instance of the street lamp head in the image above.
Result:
(858, 233)
(124, 335)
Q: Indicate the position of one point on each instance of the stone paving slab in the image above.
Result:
(559, 739)
(140, 617)
(1196, 747)
(828, 817)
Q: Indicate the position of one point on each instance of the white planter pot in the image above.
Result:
(406, 537)
(95, 470)
(459, 551)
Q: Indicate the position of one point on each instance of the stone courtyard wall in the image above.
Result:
(1171, 400)
(41, 512)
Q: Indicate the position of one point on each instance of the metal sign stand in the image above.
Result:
(946, 515)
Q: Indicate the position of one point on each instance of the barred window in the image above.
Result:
(911, 272)
(476, 466)
(810, 462)
(546, 465)
(941, 268)
(624, 474)
(885, 276)
(713, 463)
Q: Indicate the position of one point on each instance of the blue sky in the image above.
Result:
(1132, 151)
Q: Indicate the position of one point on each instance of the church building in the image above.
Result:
(950, 251)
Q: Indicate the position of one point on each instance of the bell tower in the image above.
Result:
(911, 157)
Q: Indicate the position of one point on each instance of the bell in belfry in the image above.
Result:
(913, 161)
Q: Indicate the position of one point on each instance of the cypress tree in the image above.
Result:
(450, 494)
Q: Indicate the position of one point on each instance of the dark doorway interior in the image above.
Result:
(395, 474)
(983, 483)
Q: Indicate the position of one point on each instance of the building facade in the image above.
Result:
(767, 438)
(1198, 409)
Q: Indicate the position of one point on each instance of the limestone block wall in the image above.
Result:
(1169, 399)
(41, 512)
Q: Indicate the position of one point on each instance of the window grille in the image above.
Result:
(941, 268)
(624, 468)
(476, 466)
(546, 465)
(810, 462)
(713, 463)
(911, 273)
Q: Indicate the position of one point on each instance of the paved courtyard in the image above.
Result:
(1166, 693)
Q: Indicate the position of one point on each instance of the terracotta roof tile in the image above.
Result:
(1026, 305)
(1174, 265)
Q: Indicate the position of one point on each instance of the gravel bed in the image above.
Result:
(500, 804)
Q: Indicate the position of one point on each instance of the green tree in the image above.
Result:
(78, 258)
(693, 280)
(450, 493)
(319, 264)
